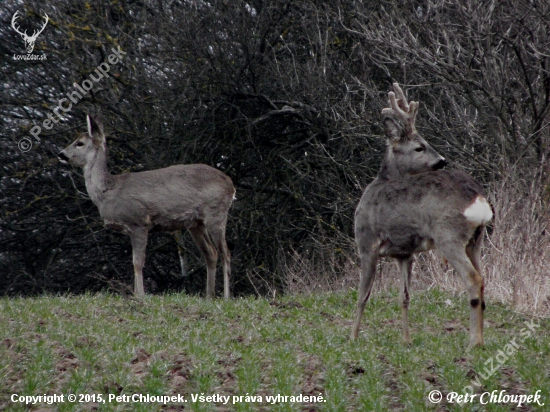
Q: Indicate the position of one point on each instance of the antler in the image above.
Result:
(24, 34)
(402, 109)
(13, 19)
(37, 32)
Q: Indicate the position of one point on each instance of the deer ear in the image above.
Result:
(393, 129)
(95, 129)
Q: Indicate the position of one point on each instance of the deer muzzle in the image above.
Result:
(63, 158)
(441, 164)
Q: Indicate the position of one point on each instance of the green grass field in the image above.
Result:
(96, 346)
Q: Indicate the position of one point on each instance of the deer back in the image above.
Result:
(412, 214)
(167, 199)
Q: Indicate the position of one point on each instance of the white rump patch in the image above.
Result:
(479, 212)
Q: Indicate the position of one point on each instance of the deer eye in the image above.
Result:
(79, 144)
(419, 149)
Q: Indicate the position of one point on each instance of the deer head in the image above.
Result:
(407, 152)
(29, 40)
(83, 150)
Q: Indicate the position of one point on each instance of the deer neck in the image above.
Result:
(97, 176)
(389, 169)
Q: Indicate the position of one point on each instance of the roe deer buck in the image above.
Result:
(194, 197)
(411, 207)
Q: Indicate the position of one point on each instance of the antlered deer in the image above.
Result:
(195, 197)
(412, 206)
(29, 40)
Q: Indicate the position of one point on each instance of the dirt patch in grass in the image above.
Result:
(454, 325)
(179, 373)
(314, 372)
(391, 378)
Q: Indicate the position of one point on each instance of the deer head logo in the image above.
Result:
(29, 40)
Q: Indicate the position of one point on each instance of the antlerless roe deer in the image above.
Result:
(195, 197)
(412, 206)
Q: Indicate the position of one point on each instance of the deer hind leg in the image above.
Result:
(202, 239)
(460, 257)
(473, 251)
(217, 234)
(473, 248)
(368, 272)
(139, 244)
(405, 267)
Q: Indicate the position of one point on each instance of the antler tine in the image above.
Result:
(401, 99)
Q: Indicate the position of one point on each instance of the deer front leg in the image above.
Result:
(368, 271)
(405, 267)
(139, 244)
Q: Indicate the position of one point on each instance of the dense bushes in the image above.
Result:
(283, 96)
